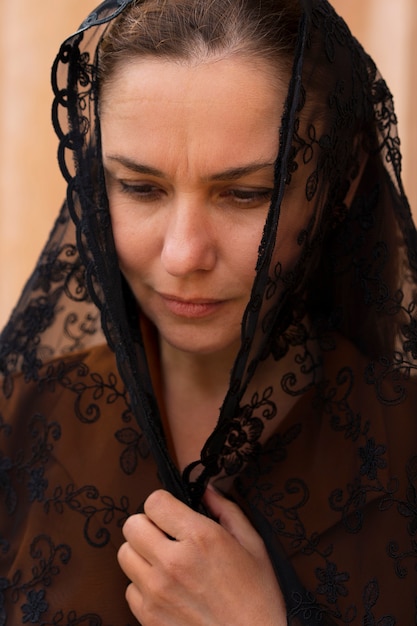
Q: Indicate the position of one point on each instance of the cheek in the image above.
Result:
(136, 248)
(241, 249)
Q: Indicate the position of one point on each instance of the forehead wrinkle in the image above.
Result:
(139, 168)
(240, 171)
(233, 173)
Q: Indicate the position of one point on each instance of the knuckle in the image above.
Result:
(132, 525)
(158, 590)
(131, 595)
(154, 500)
(122, 553)
(134, 600)
(205, 538)
(174, 569)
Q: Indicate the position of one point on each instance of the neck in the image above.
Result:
(194, 387)
(202, 374)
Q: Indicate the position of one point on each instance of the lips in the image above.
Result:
(190, 308)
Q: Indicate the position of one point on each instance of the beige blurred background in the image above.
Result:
(31, 189)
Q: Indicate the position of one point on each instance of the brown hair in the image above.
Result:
(192, 30)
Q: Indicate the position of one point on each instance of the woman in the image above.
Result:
(216, 349)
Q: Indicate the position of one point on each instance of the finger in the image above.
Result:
(231, 517)
(170, 515)
(136, 568)
(144, 537)
(134, 599)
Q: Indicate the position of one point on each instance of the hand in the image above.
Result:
(210, 575)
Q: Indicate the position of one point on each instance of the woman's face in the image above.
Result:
(189, 153)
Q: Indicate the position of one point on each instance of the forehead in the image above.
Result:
(226, 71)
(229, 105)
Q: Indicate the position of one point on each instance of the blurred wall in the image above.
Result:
(388, 31)
(31, 189)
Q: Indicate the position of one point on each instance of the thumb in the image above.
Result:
(232, 519)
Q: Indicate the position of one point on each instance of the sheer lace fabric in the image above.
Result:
(320, 452)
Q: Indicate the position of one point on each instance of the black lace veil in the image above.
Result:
(342, 314)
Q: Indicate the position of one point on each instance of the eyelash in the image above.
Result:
(238, 197)
(146, 192)
(243, 197)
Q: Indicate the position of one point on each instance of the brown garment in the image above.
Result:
(316, 436)
(336, 500)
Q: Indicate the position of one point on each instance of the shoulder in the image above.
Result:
(73, 382)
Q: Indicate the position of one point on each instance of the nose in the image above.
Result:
(189, 245)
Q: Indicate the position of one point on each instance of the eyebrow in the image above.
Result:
(229, 174)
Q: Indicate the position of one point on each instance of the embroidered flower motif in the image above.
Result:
(294, 335)
(37, 485)
(35, 607)
(31, 366)
(371, 456)
(242, 441)
(38, 316)
(331, 582)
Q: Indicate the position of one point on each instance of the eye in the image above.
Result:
(145, 192)
(247, 198)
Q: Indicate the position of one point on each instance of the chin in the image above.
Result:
(195, 343)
